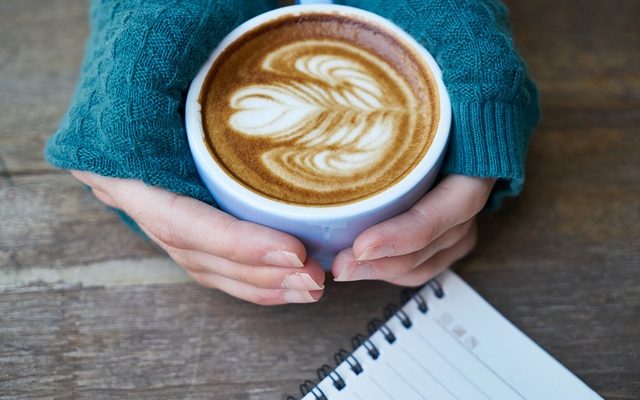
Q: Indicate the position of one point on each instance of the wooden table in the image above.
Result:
(90, 310)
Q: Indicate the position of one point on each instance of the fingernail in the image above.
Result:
(297, 296)
(300, 281)
(375, 252)
(355, 272)
(282, 258)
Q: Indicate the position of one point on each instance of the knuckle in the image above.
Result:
(396, 270)
(103, 197)
(405, 266)
(203, 280)
(419, 214)
(429, 225)
(458, 234)
(180, 258)
(85, 178)
(463, 230)
(446, 188)
(242, 275)
(409, 280)
(161, 226)
(188, 263)
(167, 233)
(231, 248)
(174, 200)
(477, 201)
(479, 195)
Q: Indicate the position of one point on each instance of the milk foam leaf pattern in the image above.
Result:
(326, 113)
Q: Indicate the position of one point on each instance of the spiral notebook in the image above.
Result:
(445, 343)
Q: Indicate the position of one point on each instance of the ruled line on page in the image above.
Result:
(430, 374)
(446, 360)
(409, 383)
(444, 328)
(382, 389)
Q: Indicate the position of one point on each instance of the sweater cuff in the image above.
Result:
(489, 140)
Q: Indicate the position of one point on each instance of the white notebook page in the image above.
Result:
(462, 348)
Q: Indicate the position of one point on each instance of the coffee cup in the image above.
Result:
(324, 228)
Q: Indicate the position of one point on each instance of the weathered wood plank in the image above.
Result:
(581, 201)
(576, 70)
(583, 309)
(170, 341)
(561, 262)
(160, 270)
(50, 220)
(40, 54)
(167, 341)
(581, 52)
(580, 192)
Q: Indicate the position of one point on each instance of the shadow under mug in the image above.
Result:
(324, 230)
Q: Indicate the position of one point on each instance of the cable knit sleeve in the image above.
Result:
(494, 102)
(126, 117)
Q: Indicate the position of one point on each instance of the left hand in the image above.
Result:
(415, 246)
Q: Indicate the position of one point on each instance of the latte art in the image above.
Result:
(325, 113)
(318, 110)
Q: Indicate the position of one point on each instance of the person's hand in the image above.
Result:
(413, 247)
(245, 260)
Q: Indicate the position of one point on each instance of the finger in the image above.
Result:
(84, 177)
(104, 197)
(438, 262)
(154, 239)
(255, 295)
(454, 200)
(347, 268)
(243, 290)
(186, 223)
(309, 277)
(101, 195)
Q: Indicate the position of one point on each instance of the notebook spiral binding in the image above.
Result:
(390, 310)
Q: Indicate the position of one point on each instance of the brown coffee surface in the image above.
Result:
(319, 109)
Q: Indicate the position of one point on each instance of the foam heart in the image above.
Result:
(325, 111)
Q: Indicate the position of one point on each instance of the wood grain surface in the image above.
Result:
(562, 261)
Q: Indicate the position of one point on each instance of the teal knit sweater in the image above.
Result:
(126, 118)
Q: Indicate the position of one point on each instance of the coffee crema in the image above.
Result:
(319, 109)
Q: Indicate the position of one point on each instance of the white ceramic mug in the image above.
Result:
(328, 229)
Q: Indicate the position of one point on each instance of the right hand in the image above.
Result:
(246, 260)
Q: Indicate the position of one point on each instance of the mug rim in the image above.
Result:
(214, 171)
